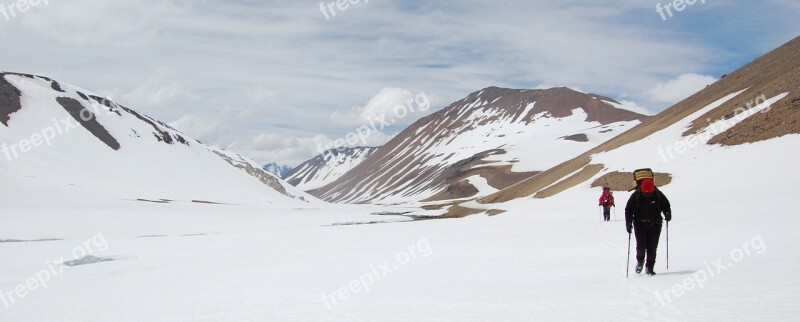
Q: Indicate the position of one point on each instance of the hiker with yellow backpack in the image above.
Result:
(643, 218)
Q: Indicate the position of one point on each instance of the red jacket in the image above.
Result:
(607, 200)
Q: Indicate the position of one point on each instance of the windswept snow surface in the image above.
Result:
(545, 260)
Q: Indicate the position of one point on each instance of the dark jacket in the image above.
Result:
(643, 209)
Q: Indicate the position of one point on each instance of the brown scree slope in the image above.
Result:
(774, 73)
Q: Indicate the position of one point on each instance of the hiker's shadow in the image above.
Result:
(686, 272)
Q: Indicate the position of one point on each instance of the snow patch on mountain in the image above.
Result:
(487, 131)
(327, 167)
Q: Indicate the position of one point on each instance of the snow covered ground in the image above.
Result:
(546, 260)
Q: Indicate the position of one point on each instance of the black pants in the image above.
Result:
(647, 235)
(607, 213)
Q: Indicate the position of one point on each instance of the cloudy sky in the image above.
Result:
(276, 80)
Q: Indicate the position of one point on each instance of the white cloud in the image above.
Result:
(89, 22)
(206, 131)
(282, 149)
(159, 88)
(292, 150)
(633, 107)
(683, 86)
(260, 93)
(377, 139)
(390, 104)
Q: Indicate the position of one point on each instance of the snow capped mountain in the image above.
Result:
(279, 171)
(327, 167)
(61, 141)
(487, 141)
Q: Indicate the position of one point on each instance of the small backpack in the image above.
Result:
(608, 197)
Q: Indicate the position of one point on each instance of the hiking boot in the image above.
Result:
(650, 272)
(639, 267)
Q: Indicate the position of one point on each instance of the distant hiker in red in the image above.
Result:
(643, 213)
(607, 201)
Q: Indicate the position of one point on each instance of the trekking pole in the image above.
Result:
(615, 213)
(628, 267)
(667, 245)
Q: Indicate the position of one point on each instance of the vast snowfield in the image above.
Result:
(548, 259)
(544, 260)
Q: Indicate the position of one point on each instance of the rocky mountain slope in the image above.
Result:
(327, 167)
(487, 141)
